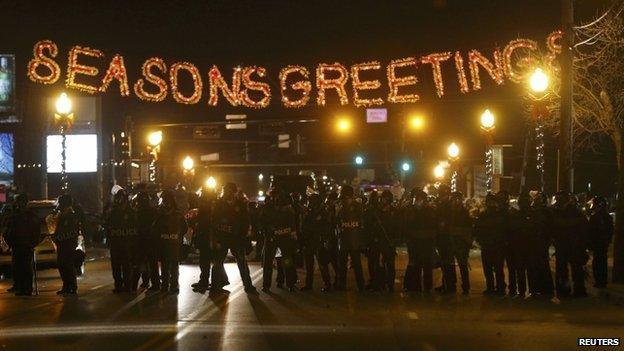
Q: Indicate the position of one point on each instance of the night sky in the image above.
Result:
(274, 34)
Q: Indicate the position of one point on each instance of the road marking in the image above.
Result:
(98, 286)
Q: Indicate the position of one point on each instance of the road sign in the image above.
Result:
(376, 115)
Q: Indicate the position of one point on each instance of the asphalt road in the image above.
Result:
(98, 320)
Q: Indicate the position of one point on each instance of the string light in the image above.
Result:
(539, 150)
(359, 84)
(40, 59)
(74, 68)
(197, 83)
(116, 70)
(304, 86)
(523, 62)
(476, 59)
(461, 73)
(553, 43)
(435, 60)
(488, 168)
(250, 84)
(218, 83)
(160, 83)
(323, 83)
(395, 82)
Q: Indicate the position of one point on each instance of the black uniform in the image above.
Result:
(66, 239)
(383, 236)
(315, 238)
(489, 232)
(520, 231)
(600, 235)
(230, 221)
(420, 226)
(170, 227)
(22, 235)
(351, 241)
(445, 245)
(540, 274)
(460, 230)
(206, 243)
(121, 229)
(149, 245)
(570, 234)
(280, 231)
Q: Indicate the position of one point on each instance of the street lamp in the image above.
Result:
(359, 160)
(438, 172)
(538, 83)
(453, 154)
(416, 123)
(154, 139)
(211, 183)
(343, 125)
(487, 125)
(64, 118)
(188, 164)
(405, 167)
(260, 177)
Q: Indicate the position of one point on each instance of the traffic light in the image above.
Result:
(359, 160)
(406, 166)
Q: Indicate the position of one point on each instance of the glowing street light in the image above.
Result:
(343, 125)
(63, 118)
(438, 172)
(453, 151)
(406, 167)
(155, 138)
(260, 177)
(416, 123)
(539, 81)
(211, 183)
(487, 120)
(188, 164)
(359, 160)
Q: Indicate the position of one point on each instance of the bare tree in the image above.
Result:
(599, 101)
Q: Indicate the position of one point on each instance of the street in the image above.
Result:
(97, 319)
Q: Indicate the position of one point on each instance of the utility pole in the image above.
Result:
(566, 109)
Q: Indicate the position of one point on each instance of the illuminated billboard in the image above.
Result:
(7, 88)
(81, 153)
(6, 158)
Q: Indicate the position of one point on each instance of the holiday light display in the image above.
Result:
(461, 73)
(304, 86)
(324, 83)
(74, 68)
(495, 70)
(523, 63)
(395, 82)
(217, 82)
(359, 84)
(39, 59)
(160, 83)
(435, 60)
(197, 83)
(117, 71)
(253, 85)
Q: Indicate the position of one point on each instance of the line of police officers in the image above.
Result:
(145, 241)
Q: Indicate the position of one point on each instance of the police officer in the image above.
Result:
(230, 221)
(66, 240)
(121, 232)
(460, 229)
(331, 242)
(372, 249)
(540, 274)
(350, 226)
(569, 229)
(315, 231)
(520, 230)
(23, 233)
(280, 231)
(419, 230)
(149, 241)
(600, 234)
(383, 237)
(170, 227)
(489, 232)
(443, 240)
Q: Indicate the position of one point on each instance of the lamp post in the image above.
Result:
(438, 172)
(63, 119)
(453, 154)
(538, 83)
(487, 126)
(188, 168)
(154, 140)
